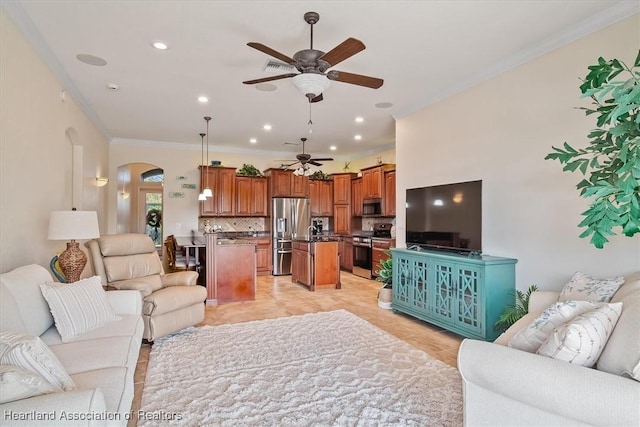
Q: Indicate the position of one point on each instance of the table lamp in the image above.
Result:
(72, 225)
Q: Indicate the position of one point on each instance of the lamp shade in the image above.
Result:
(310, 84)
(73, 225)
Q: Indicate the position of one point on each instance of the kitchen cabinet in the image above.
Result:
(461, 293)
(356, 197)
(315, 264)
(373, 181)
(389, 201)
(231, 270)
(341, 219)
(263, 255)
(342, 188)
(222, 182)
(321, 196)
(346, 254)
(379, 252)
(251, 196)
(283, 183)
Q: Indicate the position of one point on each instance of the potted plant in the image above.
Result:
(385, 275)
(319, 176)
(248, 170)
(612, 158)
(512, 313)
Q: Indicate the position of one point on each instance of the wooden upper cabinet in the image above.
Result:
(299, 185)
(321, 196)
(342, 188)
(279, 182)
(222, 182)
(373, 181)
(389, 202)
(283, 183)
(356, 197)
(251, 196)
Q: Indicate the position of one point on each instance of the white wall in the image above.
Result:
(500, 132)
(37, 130)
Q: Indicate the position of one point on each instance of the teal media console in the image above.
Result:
(461, 293)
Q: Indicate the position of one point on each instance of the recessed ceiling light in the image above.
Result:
(160, 45)
(359, 119)
(203, 99)
(253, 140)
(333, 148)
(91, 59)
(266, 127)
(357, 137)
(384, 105)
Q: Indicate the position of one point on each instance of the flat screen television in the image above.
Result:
(446, 217)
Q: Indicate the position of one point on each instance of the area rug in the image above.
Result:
(323, 369)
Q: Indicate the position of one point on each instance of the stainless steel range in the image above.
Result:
(363, 249)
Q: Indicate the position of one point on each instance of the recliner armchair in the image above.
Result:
(171, 302)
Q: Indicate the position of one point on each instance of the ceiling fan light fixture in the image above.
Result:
(311, 85)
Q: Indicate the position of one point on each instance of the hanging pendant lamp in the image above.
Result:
(207, 191)
(201, 196)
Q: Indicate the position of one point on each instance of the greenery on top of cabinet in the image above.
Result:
(319, 176)
(248, 170)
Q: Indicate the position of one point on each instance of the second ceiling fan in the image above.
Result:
(313, 64)
(304, 158)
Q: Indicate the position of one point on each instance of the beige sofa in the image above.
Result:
(170, 302)
(101, 362)
(508, 387)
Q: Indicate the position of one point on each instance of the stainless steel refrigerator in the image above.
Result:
(290, 219)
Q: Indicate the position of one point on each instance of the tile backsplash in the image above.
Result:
(235, 224)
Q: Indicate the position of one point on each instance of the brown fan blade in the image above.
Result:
(314, 163)
(268, 79)
(264, 49)
(317, 98)
(344, 50)
(355, 79)
(324, 159)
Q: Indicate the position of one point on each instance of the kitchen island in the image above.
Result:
(316, 263)
(230, 269)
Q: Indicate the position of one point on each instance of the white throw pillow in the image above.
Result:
(30, 353)
(17, 383)
(583, 287)
(531, 337)
(78, 307)
(581, 340)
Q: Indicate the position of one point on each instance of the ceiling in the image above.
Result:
(424, 51)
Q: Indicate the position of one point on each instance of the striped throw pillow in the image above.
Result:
(78, 307)
(30, 353)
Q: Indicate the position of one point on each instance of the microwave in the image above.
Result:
(372, 207)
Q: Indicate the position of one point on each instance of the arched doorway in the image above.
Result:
(140, 200)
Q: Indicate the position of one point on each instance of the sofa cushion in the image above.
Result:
(128, 326)
(24, 309)
(79, 307)
(531, 337)
(621, 355)
(100, 353)
(583, 287)
(581, 340)
(30, 353)
(17, 383)
(173, 298)
(115, 383)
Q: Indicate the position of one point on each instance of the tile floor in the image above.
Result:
(276, 296)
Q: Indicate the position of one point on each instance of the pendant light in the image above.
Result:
(207, 191)
(201, 196)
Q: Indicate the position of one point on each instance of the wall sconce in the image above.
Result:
(101, 181)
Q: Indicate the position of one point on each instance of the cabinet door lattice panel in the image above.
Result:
(460, 293)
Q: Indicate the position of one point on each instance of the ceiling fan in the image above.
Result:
(313, 77)
(305, 159)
